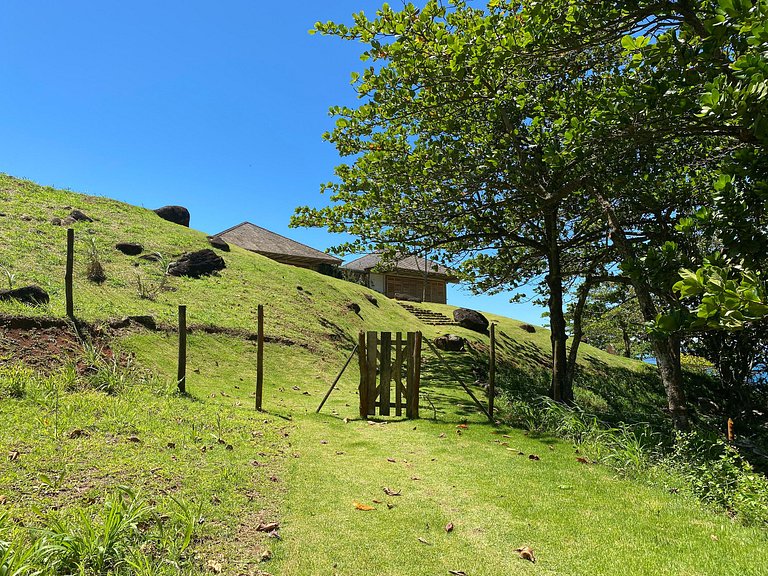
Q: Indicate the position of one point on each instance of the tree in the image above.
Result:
(457, 153)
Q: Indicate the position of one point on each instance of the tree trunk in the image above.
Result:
(561, 390)
(627, 342)
(578, 331)
(667, 350)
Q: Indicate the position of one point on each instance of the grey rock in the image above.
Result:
(176, 214)
(471, 320)
(197, 264)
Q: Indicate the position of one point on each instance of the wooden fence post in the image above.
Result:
(492, 372)
(260, 358)
(68, 284)
(370, 379)
(363, 362)
(181, 376)
(386, 373)
(398, 374)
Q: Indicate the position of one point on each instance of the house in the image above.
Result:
(279, 248)
(410, 278)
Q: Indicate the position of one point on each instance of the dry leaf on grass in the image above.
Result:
(390, 492)
(214, 566)
(269, 527)
(533, 457)
(457, 572)
(363, 507)
(266, 556)
(583, 460)
(526, 553)
(464, 426)
(13, 455)
(3, 499)
(423, 541)
(449, 527)
(391, 460)
(133, 438)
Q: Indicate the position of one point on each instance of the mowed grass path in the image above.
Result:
(578, 518)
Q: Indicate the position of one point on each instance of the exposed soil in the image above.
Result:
(44, 349)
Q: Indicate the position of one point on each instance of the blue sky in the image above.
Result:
(218, 106)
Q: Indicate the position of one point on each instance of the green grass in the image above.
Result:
(578, 518)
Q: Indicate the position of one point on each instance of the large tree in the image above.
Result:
(456, 150)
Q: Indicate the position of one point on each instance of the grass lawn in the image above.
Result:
(578, 518)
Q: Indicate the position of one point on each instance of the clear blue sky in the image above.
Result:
(218, 106)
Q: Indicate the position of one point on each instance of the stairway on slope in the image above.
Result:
(428, 316)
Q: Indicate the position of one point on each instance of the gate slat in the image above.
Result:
(386, 371)
(371, 376)
(399, 374)
(409, 371)
(416, 375)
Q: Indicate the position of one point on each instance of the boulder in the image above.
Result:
(372, 299)
(528, 328)
(129, 248)
(176, 214)
(68, 221)
(218, 243)
(354, 307)
(197, 264)
(56, 221)
(31, 295)
(450, 343)
(80, 216)
(471, 320)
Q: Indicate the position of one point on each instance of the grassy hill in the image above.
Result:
(210, 462)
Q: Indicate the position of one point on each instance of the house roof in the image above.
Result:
(409, 265)
(258, 239)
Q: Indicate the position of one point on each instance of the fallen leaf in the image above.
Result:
(533, 457)
(323, 441)
(464, 426)
(526, 553)
(215, 499)
(506, 436)
(442, 435)
(377, 501)
(346, 420)
(449, 527)
(390, 492)
(551, 447)
(214, 566)
(274, 479)
(171, 445)
(424, 541)
(582, 460)
(270, 527)
(78, 433)
(713, 536)
(274, 534)
(230, 447)
(390, 506)
(266, 556)
(3, 499)
(13, 455)
(415, 478)
(391, 460)
(363, 507)
(457, 572)
(339, 453)
(133, 438)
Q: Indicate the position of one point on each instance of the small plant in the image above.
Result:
(95, 271)
(9, 277)
(148, 290)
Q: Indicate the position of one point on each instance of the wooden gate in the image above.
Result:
(397, 362)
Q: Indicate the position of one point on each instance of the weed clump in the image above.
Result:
(95, 271)
(14, 380)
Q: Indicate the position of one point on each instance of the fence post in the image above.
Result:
(181, 377)
(68, 285)
(260, 358)
(492, 372)
(416, 374)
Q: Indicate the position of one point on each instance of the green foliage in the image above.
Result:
(716, 473)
